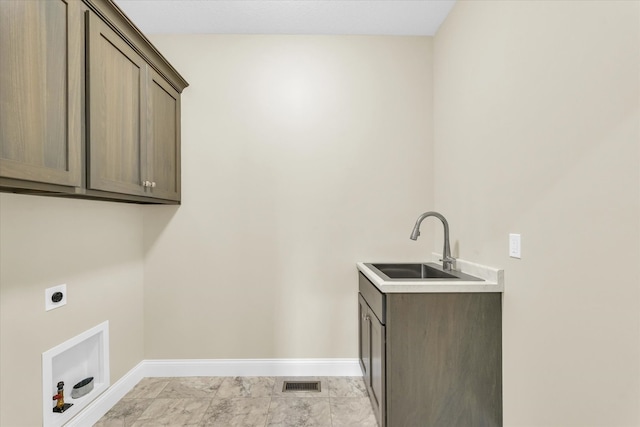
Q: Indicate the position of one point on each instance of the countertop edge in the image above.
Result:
(493, 281)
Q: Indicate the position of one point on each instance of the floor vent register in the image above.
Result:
(301, 386)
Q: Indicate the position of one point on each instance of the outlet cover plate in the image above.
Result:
(48, 293)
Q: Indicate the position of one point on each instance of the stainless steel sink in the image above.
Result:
(429, 271)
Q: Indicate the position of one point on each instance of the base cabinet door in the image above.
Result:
(363, 341)
(41, 91)
(372, 357)
(378, 365)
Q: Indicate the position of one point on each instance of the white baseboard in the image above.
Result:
(101, 405)
(212, 368)
(252, 367)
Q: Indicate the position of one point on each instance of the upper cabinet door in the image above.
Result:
(163, 149)
(117, 84)
(41, 91)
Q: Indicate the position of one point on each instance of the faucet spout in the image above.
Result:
(447, 260)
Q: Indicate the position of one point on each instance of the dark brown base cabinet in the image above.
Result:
(431, 359)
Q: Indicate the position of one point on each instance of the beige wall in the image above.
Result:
(301, 156)
(537, 132)
(93, 247)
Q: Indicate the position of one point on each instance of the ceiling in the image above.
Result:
(362, 17)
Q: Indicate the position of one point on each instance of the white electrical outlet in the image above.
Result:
(515, 250)
(55, 297)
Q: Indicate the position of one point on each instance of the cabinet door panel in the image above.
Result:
(40, 91)
(164, 138)
(363, 342)
(117, 129)
(377, 339)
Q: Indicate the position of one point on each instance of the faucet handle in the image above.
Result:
(448, 263)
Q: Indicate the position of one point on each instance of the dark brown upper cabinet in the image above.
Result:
(89, 107)
(133, 120)
(41, 46)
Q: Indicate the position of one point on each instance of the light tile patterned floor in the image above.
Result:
(242, 402)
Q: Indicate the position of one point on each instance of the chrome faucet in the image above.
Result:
(447, 260)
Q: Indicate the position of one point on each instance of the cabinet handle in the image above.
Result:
(153, 184)
(145, 183)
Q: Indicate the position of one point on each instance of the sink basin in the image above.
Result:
(413, 271)
(429, 271)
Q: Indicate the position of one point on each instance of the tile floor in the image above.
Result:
(242, 402)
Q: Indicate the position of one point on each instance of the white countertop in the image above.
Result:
(492, 280)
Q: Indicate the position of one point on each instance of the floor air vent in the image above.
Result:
(301, 386)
